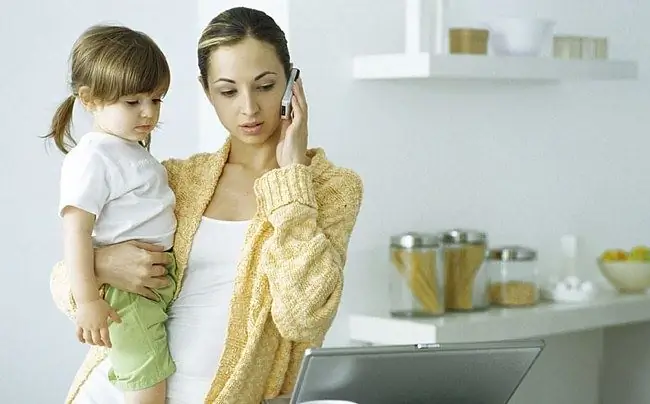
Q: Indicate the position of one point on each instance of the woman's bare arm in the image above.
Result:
(131, 266)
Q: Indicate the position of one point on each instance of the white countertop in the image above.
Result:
(608, 309)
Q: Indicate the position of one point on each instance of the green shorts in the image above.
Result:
(140, 356)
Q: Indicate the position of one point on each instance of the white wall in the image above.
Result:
(38, 350)
(527, 164)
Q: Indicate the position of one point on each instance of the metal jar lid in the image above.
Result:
(414, 240)
(512, 253)
(460, 236)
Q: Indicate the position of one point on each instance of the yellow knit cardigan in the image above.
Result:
(290, 278)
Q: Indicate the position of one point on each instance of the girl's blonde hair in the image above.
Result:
(112, 61)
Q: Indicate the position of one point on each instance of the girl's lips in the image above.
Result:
(144, 128)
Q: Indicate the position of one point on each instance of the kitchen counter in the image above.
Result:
(609, 309)
(596, 352)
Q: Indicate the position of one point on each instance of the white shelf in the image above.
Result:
(479, 67)
(609, 309)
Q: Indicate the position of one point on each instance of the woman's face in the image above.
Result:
(245, 86)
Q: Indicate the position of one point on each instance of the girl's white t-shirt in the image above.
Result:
(123, 185)
(197, 319)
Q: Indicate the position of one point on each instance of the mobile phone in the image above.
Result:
(285, 109)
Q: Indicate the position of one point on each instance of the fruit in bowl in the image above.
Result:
(627, 271)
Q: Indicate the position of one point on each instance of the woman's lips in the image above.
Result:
(252, 128)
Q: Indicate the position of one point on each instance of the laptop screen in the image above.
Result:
(467, 373)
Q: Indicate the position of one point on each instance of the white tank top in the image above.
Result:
(197, 319)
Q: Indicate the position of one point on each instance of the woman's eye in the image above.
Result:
(132, 102)
(267, 87)
(228, 93)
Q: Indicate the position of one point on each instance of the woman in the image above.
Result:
(263, 229)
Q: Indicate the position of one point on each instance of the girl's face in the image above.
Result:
(245, 86)
(132, 117)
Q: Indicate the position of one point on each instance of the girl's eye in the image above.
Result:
(132, 102)
(157, 100)
(267, 87)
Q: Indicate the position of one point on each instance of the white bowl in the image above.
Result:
(626, 276)
(520, 36)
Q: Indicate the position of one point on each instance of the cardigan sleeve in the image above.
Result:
(61, 290)
(304, 258)
(60, 287)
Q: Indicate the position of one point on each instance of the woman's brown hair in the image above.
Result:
(233, 26)
(112, 61)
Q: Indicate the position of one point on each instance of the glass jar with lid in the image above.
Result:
(417, 281)
(466, 277)
(513, 276)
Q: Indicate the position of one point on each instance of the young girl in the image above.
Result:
(114, 190)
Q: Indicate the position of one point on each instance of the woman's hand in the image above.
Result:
(292, 147)
(133, 267)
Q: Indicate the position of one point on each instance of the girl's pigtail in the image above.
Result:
(61, 125)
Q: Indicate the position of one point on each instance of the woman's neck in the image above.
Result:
(255, 157)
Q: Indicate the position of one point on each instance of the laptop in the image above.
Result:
(446, 373)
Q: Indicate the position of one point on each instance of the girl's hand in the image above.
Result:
(92, 322)
(133, 267)
(292, 147)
